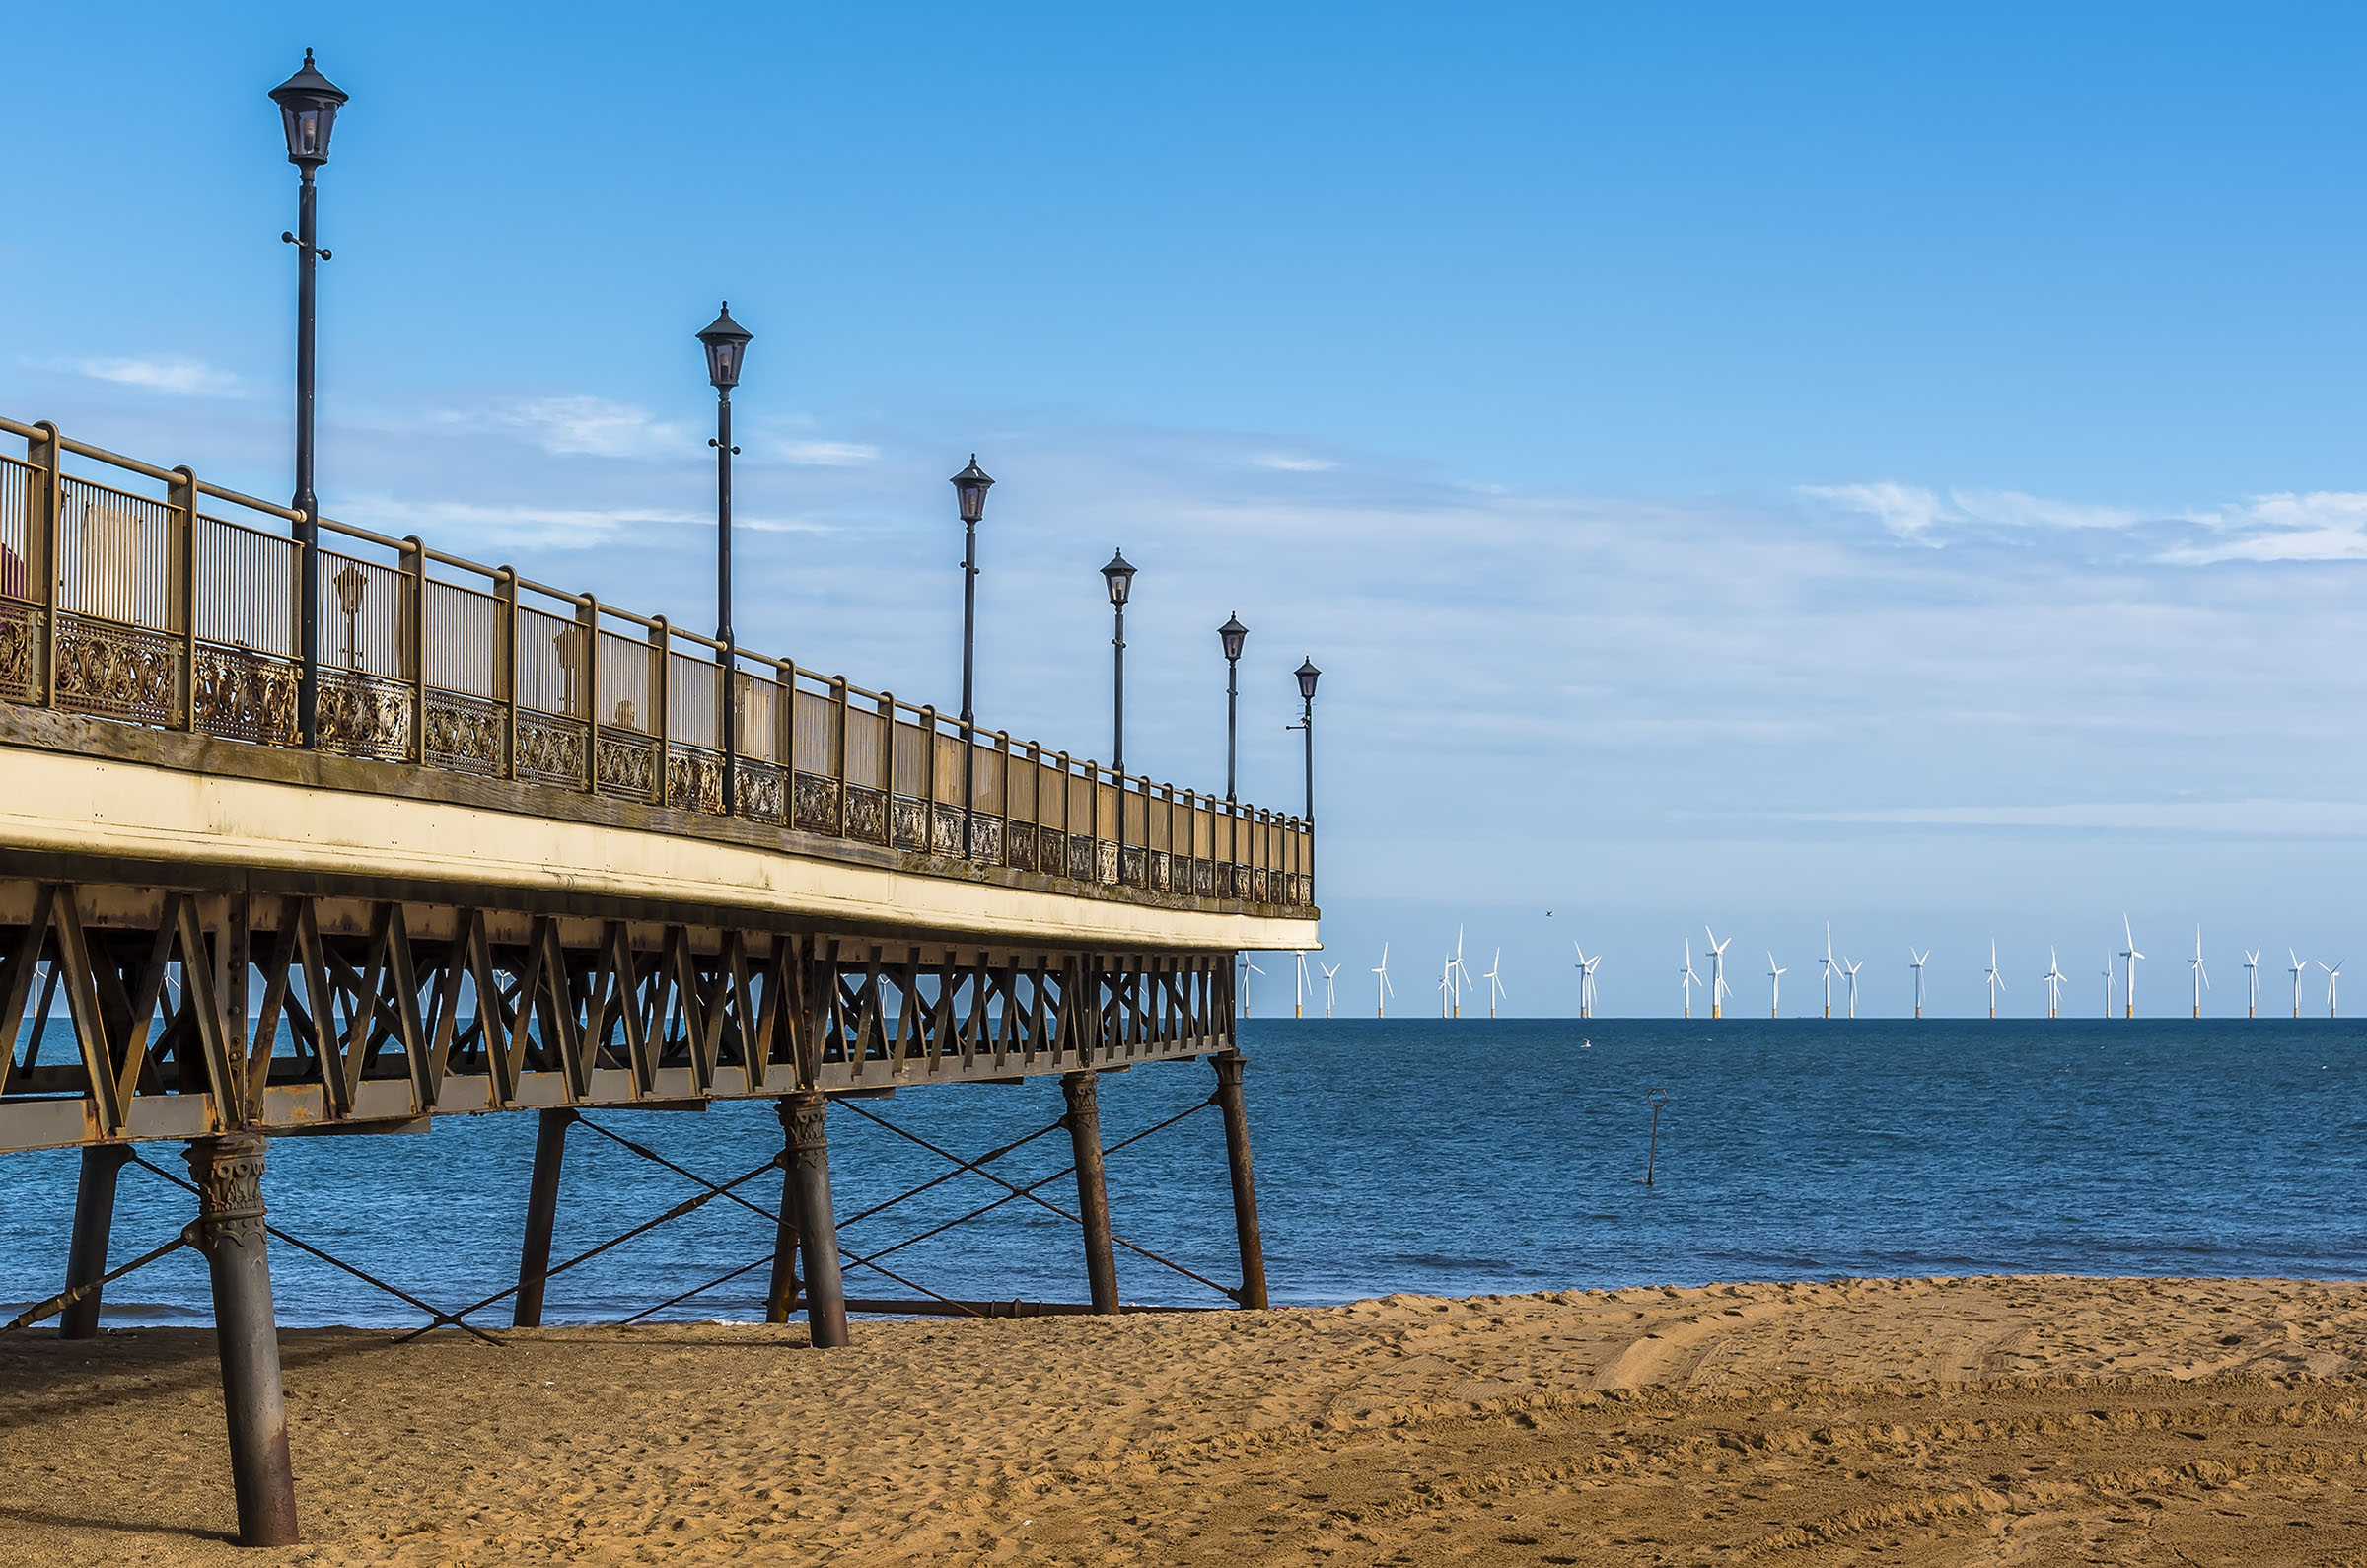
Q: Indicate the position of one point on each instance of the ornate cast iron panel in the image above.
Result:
(365, 715)
(550, 750)
(467, 734)
(243, 695)
(20, 652)
(121, 672)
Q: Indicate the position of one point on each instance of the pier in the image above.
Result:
(502, 877)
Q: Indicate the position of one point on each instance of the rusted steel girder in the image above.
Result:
(358, 1017)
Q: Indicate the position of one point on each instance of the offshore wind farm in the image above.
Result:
(1578, 986)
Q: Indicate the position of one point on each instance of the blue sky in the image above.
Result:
(1736, 465)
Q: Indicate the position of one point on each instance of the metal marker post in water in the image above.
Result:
(1656, 1098)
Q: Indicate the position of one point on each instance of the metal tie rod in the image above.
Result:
(686, 1206)
(714, 1192)
(395, 1291)
(1144, 1252)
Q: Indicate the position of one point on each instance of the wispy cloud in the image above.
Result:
(1907, 510)
(176, 377)
(2310, 819)
(467, 527)
(595, 427)
(2321, 526)
(829, 454)
(1293, 463)
(2013, 509)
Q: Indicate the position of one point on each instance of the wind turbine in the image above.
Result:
(2252, 973)
(1458, 976)
(2054, 984)
(1299, 1009)
(1851, 969)
(1251, 968)
(1775, 979)
(1917, 960)
(2299, 963)
(1380, 992)
(1720, 990)
(2202, 979)
(2108, 984)
(1496, 987)
(2132, 954)
(2333, 1008)
(1827, 960)
(1996, 980)
(1446, 986)
(1330, 974)
(1691, 979)
(1586, 981)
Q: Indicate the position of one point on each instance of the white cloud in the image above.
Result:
(829, 454)
(2321, 526)
(180, 378)
(467, 529)
(1907, 510)
(595, 427)
(1293, 463)
(2013, 509)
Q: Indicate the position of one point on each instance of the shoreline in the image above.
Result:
(1972, 1419)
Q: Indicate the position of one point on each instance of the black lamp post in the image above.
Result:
(726, 343)
(308, 110)
(1232, 634)
(1120, 578)
(1308, 676)
(970, 489)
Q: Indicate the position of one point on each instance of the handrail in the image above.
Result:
(585, 695)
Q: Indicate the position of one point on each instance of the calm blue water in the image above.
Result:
(1411, 1156)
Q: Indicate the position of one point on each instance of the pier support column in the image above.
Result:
(816, 1225)
(1227, 1066)
(94, 1219)
(229, 1172)
(1084, 1120)
(778, 1299)
(541, 1214)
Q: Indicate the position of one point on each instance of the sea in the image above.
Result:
(1401, 1155)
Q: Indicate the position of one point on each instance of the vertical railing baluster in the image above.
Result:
(587, 616)
(505, 678)
(43, 452)
(838, 757)
(661, 724)
(888, 768)
(787, 723)
(1002, 766)
(927, 719)
(414, 625)
(181, 577)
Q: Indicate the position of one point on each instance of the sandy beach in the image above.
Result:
(2039, 1420)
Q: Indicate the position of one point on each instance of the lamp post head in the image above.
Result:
(727, 344)
(1308, 676)
(1232, 634)
(970, 486)
(308, 107)
(1120, 577)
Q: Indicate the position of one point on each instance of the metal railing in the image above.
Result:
(149, 608)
